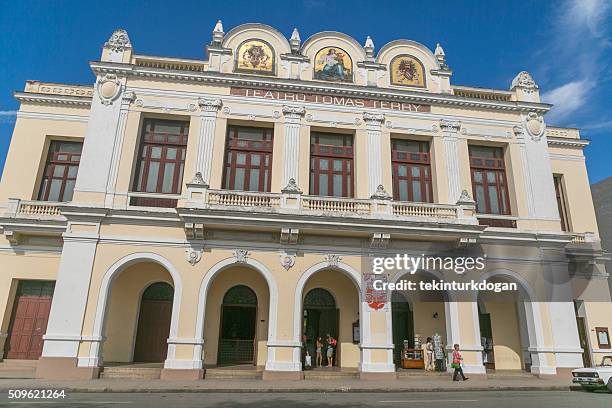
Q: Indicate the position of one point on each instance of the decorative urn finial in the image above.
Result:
(369, 47)
(218, 33)
(295, 41)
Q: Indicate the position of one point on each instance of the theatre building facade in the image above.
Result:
(197, 214)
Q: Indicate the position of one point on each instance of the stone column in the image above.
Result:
(374, 123)
(206, 137)
(293, 116)
(126, 100)
(63, 337)
(451, 158)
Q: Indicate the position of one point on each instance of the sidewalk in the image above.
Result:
(259, 386)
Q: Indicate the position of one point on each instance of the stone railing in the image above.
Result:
(243, 199)
(199, 196)
(424, 210)
(32, 209)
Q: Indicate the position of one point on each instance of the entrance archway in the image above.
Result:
(320, 319)
(154, 323)
(503, 322)
(238, 327)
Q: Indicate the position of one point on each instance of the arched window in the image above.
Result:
(319, 298)
(158, 291)
(240, 295)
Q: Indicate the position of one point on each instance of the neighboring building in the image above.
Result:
(602, 199)
(220, 211)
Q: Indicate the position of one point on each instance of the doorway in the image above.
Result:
(486, 339)
(154, 323)
(29, 319)
(238, 327)
(320, 319)
(403, 325)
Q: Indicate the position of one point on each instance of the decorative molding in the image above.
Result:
(210, 105)
(287, 260)
(465, 198)
(380, 194)
(486, 133)
(581, 143)
(118, 41)
(129, 97)
(289, 235)
(109, 88)
(193, 256)
(198, 180)
(294, 111)
(380, 240)
(166, 106)
(330, 121)
(241, 255)
(525, 81)
(84, 101)
(450, 126)
(412, 128)
(333, 260)
(224, 79)
(251, 113)
(194, 230)
(291, 188)
(373, 118)
(535, 126)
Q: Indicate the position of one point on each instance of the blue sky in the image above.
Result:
(566, 45)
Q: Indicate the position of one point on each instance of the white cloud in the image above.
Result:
(567, 99)
(575, 56)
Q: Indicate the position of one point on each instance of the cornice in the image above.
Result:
(53, 99)
(559, 141)
(280, 84)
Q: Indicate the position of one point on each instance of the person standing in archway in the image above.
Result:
(319, 357)
(331, 344)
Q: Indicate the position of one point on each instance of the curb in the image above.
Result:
(295, 390)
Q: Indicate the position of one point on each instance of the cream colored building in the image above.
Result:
(201, 213)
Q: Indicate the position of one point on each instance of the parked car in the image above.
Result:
(594, 378)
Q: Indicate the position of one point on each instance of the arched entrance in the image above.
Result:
(504, 335)
(403, 325)
(154, 323)
(320, 319)
(238, 327)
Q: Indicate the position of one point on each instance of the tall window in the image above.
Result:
(561, 204)
(60, 171)
(248, 159)
(411, 171)
(331, 165)
(489, 184)
(161, 161)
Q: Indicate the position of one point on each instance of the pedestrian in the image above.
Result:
(457, 363)
(429, 357)
(331, 343)
(319, 356)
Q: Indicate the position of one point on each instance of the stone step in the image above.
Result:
(229, 374)
(18, 363)
(134, 373)
(420, 373)
(329, 375)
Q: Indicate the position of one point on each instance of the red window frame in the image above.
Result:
(561, 204)
(155, 148)
(245, 156)
(414, 162)
(490, 166)
(62, 165)
(322, 161)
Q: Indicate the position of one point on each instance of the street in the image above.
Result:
(467, 399)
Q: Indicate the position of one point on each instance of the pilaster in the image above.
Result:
(291, 154)
(374, 123)
(206, 137)
(450, 129)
